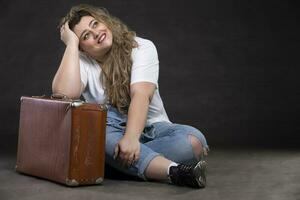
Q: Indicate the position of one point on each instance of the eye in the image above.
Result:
(86, 36)
(95, 24)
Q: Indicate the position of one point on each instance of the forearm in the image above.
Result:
(137, 115)
(67, 78)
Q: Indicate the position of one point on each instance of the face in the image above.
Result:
(94, 37)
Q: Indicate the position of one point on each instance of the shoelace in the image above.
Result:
(185, 168)
(187, 176)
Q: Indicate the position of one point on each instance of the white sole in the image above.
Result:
(200, 172)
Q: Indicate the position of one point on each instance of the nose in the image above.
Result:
(95, 33)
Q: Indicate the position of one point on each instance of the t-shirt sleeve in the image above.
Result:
(83, 65)
(145, 66)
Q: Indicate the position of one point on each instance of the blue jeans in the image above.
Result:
(161, 138)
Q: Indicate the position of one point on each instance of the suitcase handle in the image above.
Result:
(74, 103)
(59, 96)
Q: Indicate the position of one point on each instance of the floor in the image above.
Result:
(232, 174)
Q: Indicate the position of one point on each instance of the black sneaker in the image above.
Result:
(189, 175)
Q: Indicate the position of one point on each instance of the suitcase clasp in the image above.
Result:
(76, 103)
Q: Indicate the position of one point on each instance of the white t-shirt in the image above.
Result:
(145, 68)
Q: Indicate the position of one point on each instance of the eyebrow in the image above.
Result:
(85, 29)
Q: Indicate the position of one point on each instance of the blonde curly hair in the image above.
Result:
(117, 63)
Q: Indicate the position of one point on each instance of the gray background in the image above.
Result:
(229, 68)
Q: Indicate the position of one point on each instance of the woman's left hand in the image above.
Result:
(127, 151)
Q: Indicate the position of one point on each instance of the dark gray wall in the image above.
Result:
(227, 67)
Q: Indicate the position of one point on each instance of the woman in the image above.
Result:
(107, 63)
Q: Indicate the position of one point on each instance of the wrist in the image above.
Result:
(133, 136)
(73, 44)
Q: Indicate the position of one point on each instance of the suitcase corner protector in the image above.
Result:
(72, 182)
(99, 180)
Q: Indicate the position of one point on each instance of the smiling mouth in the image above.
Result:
(102, 37)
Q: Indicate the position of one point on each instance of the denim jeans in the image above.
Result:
(161, 138)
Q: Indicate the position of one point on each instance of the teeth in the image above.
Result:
(101, 37)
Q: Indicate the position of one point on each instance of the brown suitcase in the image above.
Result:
(62, 140)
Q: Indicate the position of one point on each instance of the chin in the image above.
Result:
(98, 55)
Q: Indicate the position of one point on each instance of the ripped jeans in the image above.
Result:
(166, 139)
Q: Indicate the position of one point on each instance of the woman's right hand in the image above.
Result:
(67, 35)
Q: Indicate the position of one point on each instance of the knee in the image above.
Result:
(196, 145)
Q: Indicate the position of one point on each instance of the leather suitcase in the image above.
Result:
(62, 140)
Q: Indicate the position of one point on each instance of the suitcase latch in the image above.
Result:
(77, 103)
